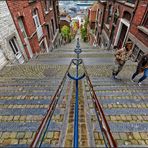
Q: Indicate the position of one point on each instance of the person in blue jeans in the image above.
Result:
(142, 67)
(145, 75)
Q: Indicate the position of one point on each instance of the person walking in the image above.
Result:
(142, 67)
(121, 56)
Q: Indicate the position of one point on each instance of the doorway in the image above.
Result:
(2, 59)
(15, 48)
(122, 36)
(122, 33)
(22, 28)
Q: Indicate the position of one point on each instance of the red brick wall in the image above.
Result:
(106, 16)
(122, 8)
(137, 21)
(25, 9)
(101, 20)
(47, 17)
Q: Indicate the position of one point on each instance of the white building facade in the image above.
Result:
(11, 48)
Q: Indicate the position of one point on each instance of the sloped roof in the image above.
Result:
(94, 7)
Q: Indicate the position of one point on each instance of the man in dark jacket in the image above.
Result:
(142, 65)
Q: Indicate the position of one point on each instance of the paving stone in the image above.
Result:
(20, 135)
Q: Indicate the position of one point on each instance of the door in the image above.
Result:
(2, 59)
(122, 35)
(15, 48)
(43, 46)
(112, 34)
(22, 28)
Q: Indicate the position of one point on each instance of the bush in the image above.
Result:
(65, 31)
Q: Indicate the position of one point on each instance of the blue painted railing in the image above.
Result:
(76, 62)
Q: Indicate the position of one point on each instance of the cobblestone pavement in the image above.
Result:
(26, 91)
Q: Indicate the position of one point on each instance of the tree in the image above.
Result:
(84, 29)
(83, 32)
(65, 31)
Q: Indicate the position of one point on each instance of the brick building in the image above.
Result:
(117, 19)
(92, 14)
(123, 20)
(138, 32)
(100, 20)
(11, 47)
(36, 22)
(50, 10)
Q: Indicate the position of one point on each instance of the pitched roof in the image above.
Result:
(94, 7)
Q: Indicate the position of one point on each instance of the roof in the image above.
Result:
(94, 7)
(65, 19)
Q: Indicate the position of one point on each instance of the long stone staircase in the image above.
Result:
(26, 91)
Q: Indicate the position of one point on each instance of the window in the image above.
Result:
(52, 26)
(145, 22)
(131, 1)
(31, 1)
(137, 54)
(97, 15)
(14, 45)
(109, 14)
(36, 18)
(48, 31)
(37, 24)
(48, 4)
(127, 15)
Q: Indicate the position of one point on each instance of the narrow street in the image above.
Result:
(26, 91)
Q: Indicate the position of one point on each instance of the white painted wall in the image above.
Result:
(7, 31)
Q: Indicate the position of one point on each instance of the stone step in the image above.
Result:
(33, 93)
(30, 80)
(117, 88)
(26, 126)
(28, 88)
(26, 97)
(25, 102)
(119, 84)
(29, 102)
(125, 127)
(121, 101)
(123, 111)
(120, 94)
(18, 145)
(30, 84)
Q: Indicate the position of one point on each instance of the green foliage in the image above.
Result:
(86, 22)
(66, 33)
(84, 29)
(83, 32)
